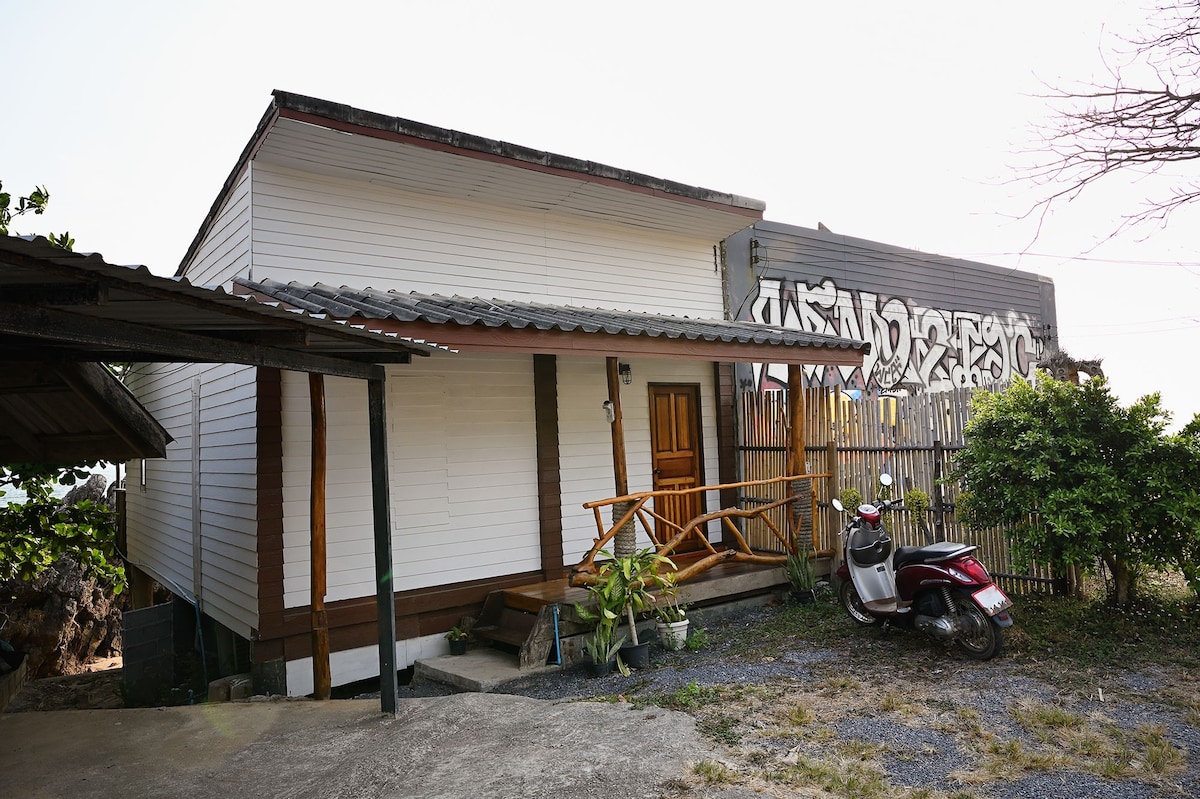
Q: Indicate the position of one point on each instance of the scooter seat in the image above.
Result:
(942, 550)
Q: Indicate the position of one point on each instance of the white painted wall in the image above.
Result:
(226, 249)
(463, 471)
(585, 449)
(165, 516)
(314, 228)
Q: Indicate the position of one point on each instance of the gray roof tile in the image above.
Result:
(370, 303)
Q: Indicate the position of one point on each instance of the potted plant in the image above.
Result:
(458, 637)
(623, 591)
(601, 649)
(672, 617)
(799, 572)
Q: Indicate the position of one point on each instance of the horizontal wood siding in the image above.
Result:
(586, 437)
(314, 228)
(930, 280)
(228, 499)
(463, 476)
(159, 515)
(225, 250)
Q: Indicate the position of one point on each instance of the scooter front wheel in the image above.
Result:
(853, 605)
(980, 637)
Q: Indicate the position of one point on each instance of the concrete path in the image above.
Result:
(464, 745)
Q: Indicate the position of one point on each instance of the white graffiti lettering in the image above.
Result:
(934, 348)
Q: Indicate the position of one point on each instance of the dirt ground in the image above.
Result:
(97, 688)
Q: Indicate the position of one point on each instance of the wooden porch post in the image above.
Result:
(801, 508)
(381, 502)
(316, 513)
(625, 541)
(796, 420)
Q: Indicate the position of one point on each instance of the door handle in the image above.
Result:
(657, 471)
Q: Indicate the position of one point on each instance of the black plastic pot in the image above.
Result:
(636, 657)
(458, 647)
(600, 669)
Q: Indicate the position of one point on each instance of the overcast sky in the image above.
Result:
(903, 123)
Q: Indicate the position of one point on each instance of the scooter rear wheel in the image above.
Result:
(980, 638)
(853, 605)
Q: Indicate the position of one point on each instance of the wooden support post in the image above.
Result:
(796, 461)
(322, 678)
(620, 470)
(381, 502)
(625, 541)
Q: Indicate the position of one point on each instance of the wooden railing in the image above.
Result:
(648, 507)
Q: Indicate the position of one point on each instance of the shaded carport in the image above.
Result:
(63, 314)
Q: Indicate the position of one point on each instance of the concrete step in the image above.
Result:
(480, 670)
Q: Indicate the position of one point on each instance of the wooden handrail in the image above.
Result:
(584, 573)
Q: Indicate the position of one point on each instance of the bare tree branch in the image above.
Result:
(1144, 124)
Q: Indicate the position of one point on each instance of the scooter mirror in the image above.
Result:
(837, 505)
(885, 479)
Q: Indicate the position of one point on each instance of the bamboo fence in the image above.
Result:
(853, 439)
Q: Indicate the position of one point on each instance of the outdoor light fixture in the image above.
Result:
(626, 372)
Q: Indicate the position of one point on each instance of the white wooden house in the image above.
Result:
(532, 274)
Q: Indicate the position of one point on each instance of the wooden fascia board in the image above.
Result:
(109, 400)
(417, 141)
(478, 338)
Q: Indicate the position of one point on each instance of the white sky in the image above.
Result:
(896, 122)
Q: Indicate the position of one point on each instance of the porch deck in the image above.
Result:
(722, 582)
(486, 668)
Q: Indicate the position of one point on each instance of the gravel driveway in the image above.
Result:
(888, 714)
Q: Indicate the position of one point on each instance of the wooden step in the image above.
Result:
(533, 634)
(510, 627)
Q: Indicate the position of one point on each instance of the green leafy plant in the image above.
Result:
(623, 589)
(603, 644)
(798, 569)
(457, 634)
(916, 502)
(36, 533)
(851, 498)
(667, 607)
(1076, 479)
(36, 204)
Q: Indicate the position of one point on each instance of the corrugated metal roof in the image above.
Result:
(36, 274)
(350, 303)
(61, 313)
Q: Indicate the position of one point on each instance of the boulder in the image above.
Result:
(61, 619)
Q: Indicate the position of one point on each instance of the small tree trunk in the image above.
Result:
(632, 624)
(1122, 579)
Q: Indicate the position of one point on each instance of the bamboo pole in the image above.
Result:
(317, 549)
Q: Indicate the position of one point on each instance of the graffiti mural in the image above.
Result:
(910, 345)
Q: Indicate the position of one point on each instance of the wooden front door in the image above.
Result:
(675, 456)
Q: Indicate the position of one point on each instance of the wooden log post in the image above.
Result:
(317, 548)
(625, 541)
(797, 463)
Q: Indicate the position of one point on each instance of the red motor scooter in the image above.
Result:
(940, 589)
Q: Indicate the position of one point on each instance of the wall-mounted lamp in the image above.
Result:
(626, 373)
